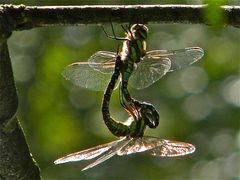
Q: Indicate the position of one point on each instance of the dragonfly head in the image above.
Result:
(150, 115)
(139, 31)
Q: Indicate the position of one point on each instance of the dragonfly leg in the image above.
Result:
(114, 37)
(126, 102)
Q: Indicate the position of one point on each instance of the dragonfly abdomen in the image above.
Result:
(117, 128)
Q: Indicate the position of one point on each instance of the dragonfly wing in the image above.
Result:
(179, 58)
(86, 154)
(157, 63)
(138, 145)
(100, 160)
(83, 75)
(103, 61)
(113, 151)
(169, 148)
(156, 147)
(149, 71)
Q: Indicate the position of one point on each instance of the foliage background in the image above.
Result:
(199, 104)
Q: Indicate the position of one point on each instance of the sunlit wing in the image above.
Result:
(87, 154)
(113, 151)
(156, 147)
(172, 148)
(179, 58)
(146, 73)
(103, 61)
(140, 144)
(149, 71)
(128, 145)
(81, 74)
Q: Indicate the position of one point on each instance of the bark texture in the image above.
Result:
(15, 159)
(27, 17)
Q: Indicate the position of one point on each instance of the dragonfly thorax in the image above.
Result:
(134, 48)
(132, 53)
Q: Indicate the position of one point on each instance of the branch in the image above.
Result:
(15, 159)
(27, 17)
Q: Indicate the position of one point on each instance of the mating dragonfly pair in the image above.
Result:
(140, 68)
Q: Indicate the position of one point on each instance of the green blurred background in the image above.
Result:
(199, 104)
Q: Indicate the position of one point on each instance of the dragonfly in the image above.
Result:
(132, 132)
(140, 68)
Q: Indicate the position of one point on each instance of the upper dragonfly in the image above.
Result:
(141, 67)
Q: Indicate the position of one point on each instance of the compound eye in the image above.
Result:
(143, 34)
(139, 31)
(150, 115)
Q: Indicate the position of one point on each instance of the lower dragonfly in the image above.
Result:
(132, 131)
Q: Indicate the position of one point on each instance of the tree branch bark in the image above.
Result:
(27, 17)
(15, 159)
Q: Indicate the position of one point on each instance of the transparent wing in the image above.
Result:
(100, 160)
(83, 75)
(172, 148)
(93, 74)
(86, 154)
(156, 147)
(147, 71)
(139, 145)
(179, 58)
(113, 151)
(103, 61)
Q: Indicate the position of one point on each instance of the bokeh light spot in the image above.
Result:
(194, 79)
(23, 68)
(81, 98)
(230, 90)
(75, 37)
(197, 107)
(222, 144)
